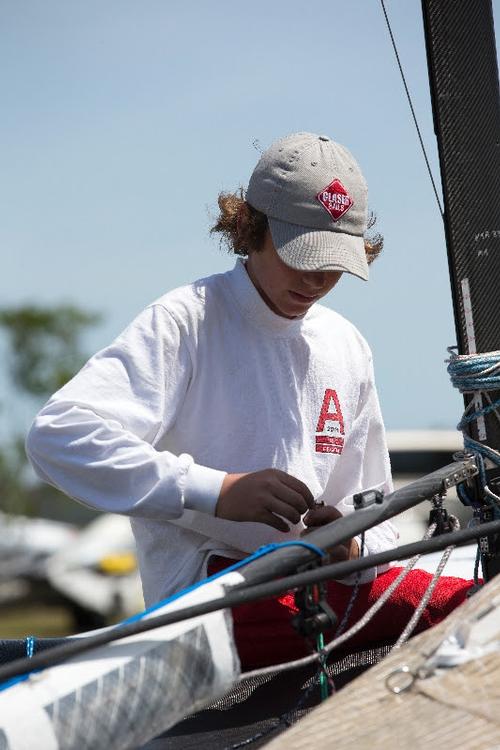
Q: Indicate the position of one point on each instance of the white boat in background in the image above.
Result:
(98, 571)
(25, 546)
(26, 542)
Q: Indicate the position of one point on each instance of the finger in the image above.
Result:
(321, 516)
(354, 551)
(314, 521)
(338, 553)
(311, 518)
(275, 505)
(315, 517)
(271, 520)
(298, 486)
(293, 499)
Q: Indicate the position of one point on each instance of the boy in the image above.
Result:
(230, 405)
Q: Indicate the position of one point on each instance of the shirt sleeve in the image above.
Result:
(366, 466)
(95, 438)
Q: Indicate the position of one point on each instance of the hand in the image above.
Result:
(321, 515)
(263, 496)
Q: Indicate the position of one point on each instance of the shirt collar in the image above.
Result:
(255, 309)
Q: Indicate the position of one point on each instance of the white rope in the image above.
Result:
(410, 627)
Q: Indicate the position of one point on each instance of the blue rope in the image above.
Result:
(477, 374)
(468, 418)
(474, 372)
(30, 645)
(260, 552)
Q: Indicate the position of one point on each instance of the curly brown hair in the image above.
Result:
(243, 228)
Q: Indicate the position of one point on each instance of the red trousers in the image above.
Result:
(264, 634)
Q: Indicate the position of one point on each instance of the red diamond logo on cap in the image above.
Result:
(335, 199)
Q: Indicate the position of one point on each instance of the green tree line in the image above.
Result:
(44, 350)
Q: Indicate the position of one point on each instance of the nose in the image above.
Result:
(314, 279)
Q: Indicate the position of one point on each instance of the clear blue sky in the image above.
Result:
(121, 121)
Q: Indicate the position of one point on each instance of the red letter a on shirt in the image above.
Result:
(327, 415)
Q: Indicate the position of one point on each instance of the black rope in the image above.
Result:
(354, 595)
(236, 596)
(412, 109)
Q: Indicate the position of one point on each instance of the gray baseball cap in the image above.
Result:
(315, 198)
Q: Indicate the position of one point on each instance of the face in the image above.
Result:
(288, 292)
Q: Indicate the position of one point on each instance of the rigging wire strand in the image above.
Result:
(422, 145)
(410, 627)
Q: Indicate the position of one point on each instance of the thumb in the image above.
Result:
(321, 515)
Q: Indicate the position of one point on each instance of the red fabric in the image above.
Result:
(264, 635)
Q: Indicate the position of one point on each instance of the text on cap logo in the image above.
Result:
(335, 199)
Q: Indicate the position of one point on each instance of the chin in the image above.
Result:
(296, 313)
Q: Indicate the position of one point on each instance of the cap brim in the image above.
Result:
(307, 249)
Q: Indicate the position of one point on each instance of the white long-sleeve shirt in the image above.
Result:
(208, 380)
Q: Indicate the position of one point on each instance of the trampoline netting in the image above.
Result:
(259, 708)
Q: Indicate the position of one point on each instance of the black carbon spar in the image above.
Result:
(463, 75)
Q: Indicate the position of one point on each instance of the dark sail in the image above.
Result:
(463, 74)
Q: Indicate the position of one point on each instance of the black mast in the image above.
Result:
(463, 73)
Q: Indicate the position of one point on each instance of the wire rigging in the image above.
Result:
(422, 145)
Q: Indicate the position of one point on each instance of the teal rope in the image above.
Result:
(477, 374)
(474, 372)
(30, 645)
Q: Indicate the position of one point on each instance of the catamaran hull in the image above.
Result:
(121, 695)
